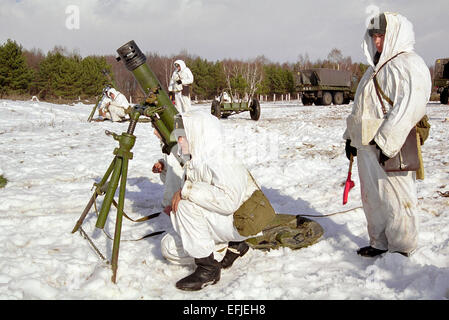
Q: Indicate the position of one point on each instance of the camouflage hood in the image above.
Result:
(399, 37)
(204, 135)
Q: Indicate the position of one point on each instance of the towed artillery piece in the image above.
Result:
(225, 106)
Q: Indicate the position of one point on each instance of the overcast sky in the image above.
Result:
(280, 30)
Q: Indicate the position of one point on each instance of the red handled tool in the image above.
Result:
(349, 183)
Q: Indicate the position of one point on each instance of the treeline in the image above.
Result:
(55, 76)
(65, 76)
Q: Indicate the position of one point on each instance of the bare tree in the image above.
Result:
(162, 67)
(168, 68)
(34, 57)
(304, 61)
(253, 76)
(231, 71)
(251, 72)
(335, 57)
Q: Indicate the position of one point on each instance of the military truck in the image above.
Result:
(324, 86)
(441, 79)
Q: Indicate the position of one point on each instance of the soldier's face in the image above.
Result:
(182, 142)
(378, 41)
(156, 133)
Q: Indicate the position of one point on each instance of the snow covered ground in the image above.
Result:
(51, 156)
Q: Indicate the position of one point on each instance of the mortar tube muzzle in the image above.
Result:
(131, 55)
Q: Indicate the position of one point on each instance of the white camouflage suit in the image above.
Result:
(216, 184)
(115, 111)
(389, 199)
(182, 102)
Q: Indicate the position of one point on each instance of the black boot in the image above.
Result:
(405, 254)
(207, 272)
(370, 251)
(235, 250)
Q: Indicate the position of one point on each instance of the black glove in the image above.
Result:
(179, 82)
(382, 157)
(350, 149)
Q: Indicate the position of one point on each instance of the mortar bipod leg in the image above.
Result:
(118, 223)
(112, 187)
(98, 190)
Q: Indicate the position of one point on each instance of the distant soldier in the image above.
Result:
(114, 107)
(225, 97)
(180, 84)
(391, 99)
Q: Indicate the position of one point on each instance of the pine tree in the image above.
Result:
(93, 75)
(219, 79)
(68, 84)
(72, 77)
(49, 73)
(273, 80)
(204, 83)
(15, 75)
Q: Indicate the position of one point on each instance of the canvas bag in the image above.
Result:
(185, 90)
(254, 214)
(423, 129)
(407, 159)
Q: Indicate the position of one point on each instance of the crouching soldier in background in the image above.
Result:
(208, 213)
(114, 107)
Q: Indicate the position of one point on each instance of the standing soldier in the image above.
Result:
(180, 83)
(375, 134)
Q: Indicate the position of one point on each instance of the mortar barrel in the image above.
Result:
(135, 61)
